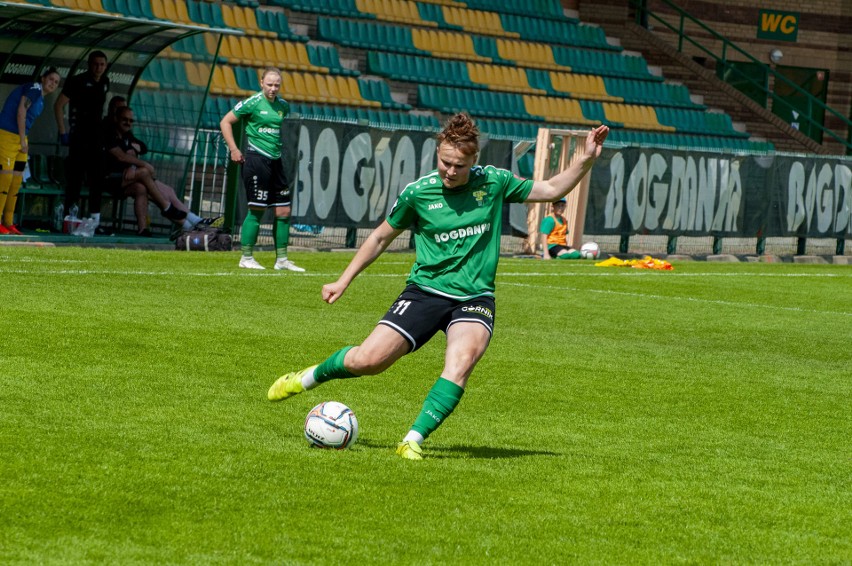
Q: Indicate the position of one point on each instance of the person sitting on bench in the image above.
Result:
(128, 175)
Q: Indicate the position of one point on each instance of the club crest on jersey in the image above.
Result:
(479, 195)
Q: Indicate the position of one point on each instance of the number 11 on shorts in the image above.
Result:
(399, 307)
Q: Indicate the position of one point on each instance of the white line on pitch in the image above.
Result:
(675, 298)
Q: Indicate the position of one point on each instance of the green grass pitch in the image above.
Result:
(619, 416)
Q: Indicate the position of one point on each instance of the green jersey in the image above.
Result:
(263, 124)
(457, 231)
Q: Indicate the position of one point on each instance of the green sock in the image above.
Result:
(439, 403)
(250, 230)
(333, 368)
(571, 255)
(281, 235)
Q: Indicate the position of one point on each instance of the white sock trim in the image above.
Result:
(308, 381)
(415, 436)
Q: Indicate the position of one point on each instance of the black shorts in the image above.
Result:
(418, 315)
(265, 181)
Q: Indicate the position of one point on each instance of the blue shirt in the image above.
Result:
(9, 114)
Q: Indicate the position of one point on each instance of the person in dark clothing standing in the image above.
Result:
(85, 95)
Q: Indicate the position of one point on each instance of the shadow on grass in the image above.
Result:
(462, 451)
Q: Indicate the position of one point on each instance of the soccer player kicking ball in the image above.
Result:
(455, 213)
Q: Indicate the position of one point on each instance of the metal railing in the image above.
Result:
(644, 16)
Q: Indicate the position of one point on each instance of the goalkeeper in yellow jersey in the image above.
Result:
(554, 234)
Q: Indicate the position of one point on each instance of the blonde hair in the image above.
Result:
(268, 70)
(461, 133)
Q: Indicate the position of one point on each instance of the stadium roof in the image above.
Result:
(34, 37)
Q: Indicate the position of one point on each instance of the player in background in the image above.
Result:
(264, 178)
(85, 95)
(22, 107)
(554, 234)
(455, 213)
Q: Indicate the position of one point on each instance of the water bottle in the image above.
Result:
(72, 212)
(58, 215)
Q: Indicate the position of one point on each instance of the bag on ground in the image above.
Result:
(204, 240)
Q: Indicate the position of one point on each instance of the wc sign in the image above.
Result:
(780, 26)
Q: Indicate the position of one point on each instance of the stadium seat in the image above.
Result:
(527, 54)
(276, 22)
(543, 8)
(171, 11)
(447, 44)
(401, 11)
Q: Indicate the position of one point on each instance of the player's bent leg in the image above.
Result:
(466, 343)
(378, 352)
(382, 348)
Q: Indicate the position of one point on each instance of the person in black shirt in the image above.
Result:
(85, 95)
(128, 175)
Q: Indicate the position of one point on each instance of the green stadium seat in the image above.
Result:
(276, 22)
(541, 80)
(194, 46)
(434, 13)
(543, 8)
(327, 56)
(140, 9)
(380, 92)
(487, 47)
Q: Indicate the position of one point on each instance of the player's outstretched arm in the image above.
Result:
(563, 183)
(376, 243)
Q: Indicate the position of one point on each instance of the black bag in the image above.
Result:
(204, 240)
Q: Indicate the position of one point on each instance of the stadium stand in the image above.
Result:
(515, 64)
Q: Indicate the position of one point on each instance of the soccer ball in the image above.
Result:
(590, 250)
(331, 425)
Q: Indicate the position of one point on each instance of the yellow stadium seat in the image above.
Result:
(339, 88)
(270, 57)
(289, 89)
(218, 85)
(252, 25)
(260, 52)
(231, 49)
(366, 7)
(197, 73)
(96, 6)
(183, 13)
(167, 11)
(477, 21)
(281, 54)
(297, 58)
(529, 54)
(240, 19)
(312, 88)
(228, 15)
(446, 44)
(532, 105)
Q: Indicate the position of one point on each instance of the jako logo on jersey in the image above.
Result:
(463, 232)
(480, 310)
(435, 205)
(268, 130)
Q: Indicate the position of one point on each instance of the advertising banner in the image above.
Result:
(662, 192)
(349, 175)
